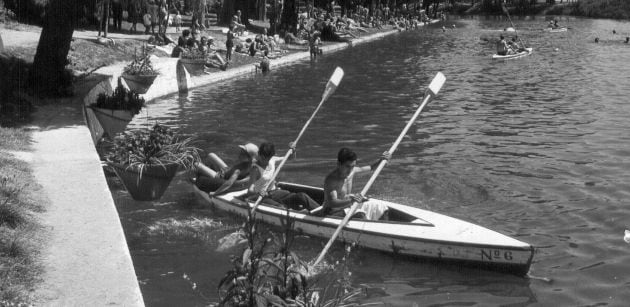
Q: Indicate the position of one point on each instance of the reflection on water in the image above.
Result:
(536, 148)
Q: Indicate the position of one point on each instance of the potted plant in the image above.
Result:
(140, 74)
(115, 111)
(146, 160)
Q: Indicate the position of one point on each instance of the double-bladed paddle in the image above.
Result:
(513, 27)
(431, 92)
(331, 86)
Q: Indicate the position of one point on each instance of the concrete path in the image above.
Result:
(86, 261)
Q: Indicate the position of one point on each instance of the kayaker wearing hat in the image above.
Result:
(218, 178)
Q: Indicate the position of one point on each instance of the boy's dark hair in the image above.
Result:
(346, 154)
(266, 150)
(186, 32)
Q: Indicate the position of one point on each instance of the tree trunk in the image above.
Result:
(106, 17)
(48, 77)
(243, 5)
(227, 11)
(288, 20)
(200, 11)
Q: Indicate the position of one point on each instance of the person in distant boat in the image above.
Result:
(502, 46)
(555, 24)
(627, 39)
(516, 48)
(261, 174)
(338, 197)
(218, 178)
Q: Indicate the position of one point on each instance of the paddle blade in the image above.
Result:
(336, 76)
(333, 82)
(437, 83)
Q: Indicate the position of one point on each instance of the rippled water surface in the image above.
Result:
(537, 148)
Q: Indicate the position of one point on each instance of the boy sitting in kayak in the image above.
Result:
(338, 187)
(261, 177)
(502, 47)
(514, 46)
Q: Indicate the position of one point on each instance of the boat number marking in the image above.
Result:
(491, 254)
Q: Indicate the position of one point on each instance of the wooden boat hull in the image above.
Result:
(527, 52)
(409, 231)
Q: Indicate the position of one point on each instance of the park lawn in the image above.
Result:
(21, 236)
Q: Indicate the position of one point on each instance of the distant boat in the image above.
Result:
(555, 30)
(509, 29)
(523, 53)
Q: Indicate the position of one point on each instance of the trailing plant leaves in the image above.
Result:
(141, 66)
(156, 146)
(246, 255)
(120, 99)
(275, 300)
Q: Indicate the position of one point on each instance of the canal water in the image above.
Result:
(537, 148)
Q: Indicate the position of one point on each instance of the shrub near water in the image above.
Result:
(618, 9)
(120, 99)
(158, 145)
(141, 66)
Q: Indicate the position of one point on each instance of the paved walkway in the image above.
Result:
(86, 261)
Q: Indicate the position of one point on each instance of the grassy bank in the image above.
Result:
(21, 236)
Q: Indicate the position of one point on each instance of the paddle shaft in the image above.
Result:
(427, 97)
(513, 27)
(330, 88)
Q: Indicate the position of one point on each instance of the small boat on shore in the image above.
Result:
(523, 53)
(404, 230)
(556, 30)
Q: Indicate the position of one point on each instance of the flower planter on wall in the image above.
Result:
(151, 184)
(112, 121)
(139, 83)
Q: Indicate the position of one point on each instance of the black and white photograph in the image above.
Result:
(314, 153)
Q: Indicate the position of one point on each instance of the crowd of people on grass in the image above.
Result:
(336, 25)
(192, 45)
(314, 26)
(253, 169)
(151, 14)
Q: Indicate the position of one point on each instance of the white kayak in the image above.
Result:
(523, 53)
(555, 30)
(405, 230)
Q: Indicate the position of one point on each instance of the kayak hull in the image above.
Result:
(408, 231)
(524, 53)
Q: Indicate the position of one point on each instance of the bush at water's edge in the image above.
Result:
(614, 9)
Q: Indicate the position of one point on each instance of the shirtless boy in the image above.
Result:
(338, 184)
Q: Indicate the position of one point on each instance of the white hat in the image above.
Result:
(250, 149)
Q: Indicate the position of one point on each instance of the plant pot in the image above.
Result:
(151, 184)
(139, 83)
(112, 121)
(194, 66)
